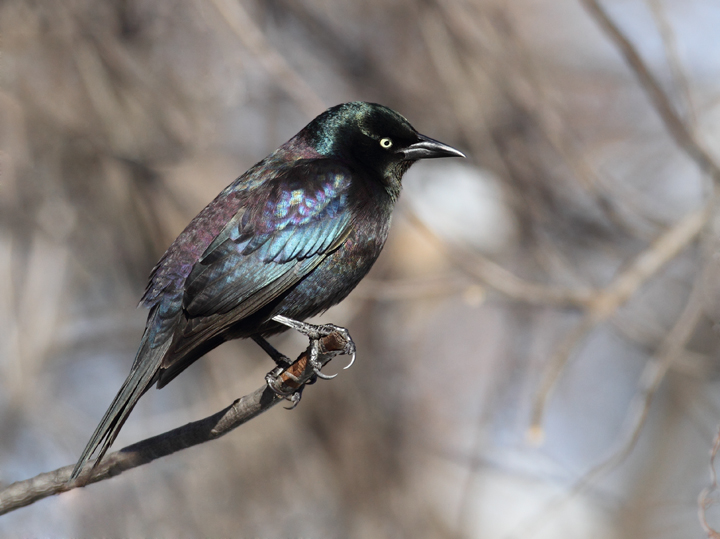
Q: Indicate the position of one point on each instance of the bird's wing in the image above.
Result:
(282, 231)
(282, 234)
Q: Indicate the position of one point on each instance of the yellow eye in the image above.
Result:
(386, 143)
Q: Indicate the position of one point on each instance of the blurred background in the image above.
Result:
(537, 351)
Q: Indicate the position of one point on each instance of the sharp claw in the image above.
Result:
(315, 333)
(271, 380)
(316, 365)
(294, 400)
(352, 360)
(323, 376)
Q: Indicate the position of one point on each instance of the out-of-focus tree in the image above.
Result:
(537, 354)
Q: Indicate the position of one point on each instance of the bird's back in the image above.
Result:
(292, 236)
(294, 244)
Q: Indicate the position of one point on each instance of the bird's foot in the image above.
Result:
(294, 399)
(315, 333)
(272, 380)
(317, 348)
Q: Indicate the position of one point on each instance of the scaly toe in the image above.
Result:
(323, 376)
(272, 379)
(352, 359)
(294, 399)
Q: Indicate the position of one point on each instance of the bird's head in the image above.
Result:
(374, 137)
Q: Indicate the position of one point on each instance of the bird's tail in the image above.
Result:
(143, 374)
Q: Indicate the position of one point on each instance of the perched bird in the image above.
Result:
(285, 241)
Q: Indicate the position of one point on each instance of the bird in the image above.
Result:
(285, 241)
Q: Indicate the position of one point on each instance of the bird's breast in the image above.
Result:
(341, 271)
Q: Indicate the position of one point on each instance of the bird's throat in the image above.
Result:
(392, 177)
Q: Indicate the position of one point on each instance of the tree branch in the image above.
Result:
(29, 491)
(705, 501)
(669, 244)
(274, 63)
(607, 301)
(673, 122)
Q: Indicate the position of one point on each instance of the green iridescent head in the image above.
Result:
(374, 137)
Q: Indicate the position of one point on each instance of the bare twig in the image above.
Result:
(412, 289)
(606, 302)
(501, 279)
(670, 349)
(597, 305)
(703, 500)
(668, 245)
(673, 122)
(272, 61)
(671, 52)
(29, 491)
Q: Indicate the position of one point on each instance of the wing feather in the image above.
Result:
(298, 221)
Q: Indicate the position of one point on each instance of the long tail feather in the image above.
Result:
(141, 377)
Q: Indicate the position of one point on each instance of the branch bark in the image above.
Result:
(29, 491)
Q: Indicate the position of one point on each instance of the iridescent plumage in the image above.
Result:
(291, 237)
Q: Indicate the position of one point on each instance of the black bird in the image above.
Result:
(285, 241)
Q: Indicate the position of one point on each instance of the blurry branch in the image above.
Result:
(674, 124)
(597, 305)
(499, 278)
(527, 87)
(605, 302)
(704, 502)
(671, 52)
(272, 61)
(29, 491)
(664, 249)
(459, 48)
(669, 350)
(408, 289)
(445, 58)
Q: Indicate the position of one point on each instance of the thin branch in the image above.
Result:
(669, 350)
(414, 288)
(668, 244)
(29, 491)
(551, 374)
(607, 301)
(272, 61)
(501, 279)
(597, 305)
(673, 122)
(671, 52)
(704, 500)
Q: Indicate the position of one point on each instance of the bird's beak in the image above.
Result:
(427, 148)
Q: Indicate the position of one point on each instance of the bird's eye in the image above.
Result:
(386, 143)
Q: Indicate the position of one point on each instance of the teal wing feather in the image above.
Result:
(300, 218)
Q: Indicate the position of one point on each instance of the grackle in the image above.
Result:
(285, 241)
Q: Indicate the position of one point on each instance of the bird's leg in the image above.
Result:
(271, 379)
(315, 333)
(283, 363)
(280, 359)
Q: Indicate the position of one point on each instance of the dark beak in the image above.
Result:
(427, 148)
